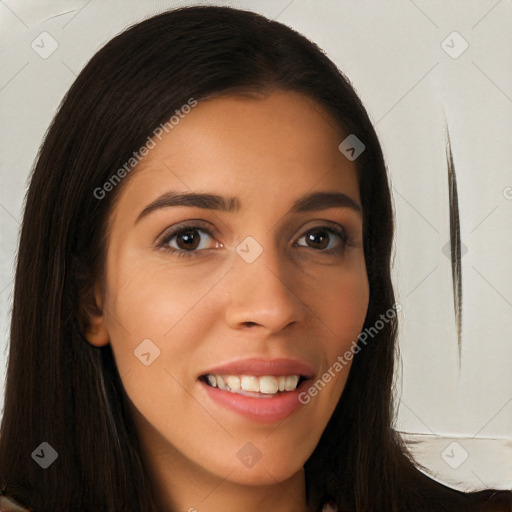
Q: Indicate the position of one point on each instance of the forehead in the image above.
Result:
(274, 146)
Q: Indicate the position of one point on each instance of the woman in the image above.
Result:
(207, 230)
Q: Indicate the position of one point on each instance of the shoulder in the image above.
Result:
(10, 505)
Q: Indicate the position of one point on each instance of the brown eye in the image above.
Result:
(320, 237)
(186, 241)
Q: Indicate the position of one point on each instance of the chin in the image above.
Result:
(262, 476)
(267, 470)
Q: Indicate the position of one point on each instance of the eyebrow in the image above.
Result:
(315, 201)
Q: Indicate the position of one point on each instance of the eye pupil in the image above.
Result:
(191, 241)
(312, 237)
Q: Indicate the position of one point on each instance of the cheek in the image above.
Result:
(150, 299)
(152, 336)
(165, 312)
(144, 310)
(342, 303)
(352, 304)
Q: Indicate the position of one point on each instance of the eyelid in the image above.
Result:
(173, 230)
(327, 224)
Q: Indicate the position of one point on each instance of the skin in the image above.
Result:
(304, 301)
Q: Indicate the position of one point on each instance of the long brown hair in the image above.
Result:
(62, 390)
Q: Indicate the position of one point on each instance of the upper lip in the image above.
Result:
(260, 367)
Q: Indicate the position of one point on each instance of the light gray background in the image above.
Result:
(393, 52)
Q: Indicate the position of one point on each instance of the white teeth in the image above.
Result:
(267, 384)
(250, 383)
(291, 382)
(233, 382)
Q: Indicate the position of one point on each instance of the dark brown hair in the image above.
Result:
(62, 390)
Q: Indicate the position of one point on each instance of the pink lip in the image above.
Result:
(261, 410)
(261, 367)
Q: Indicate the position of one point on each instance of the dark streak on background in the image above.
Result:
(455, 248)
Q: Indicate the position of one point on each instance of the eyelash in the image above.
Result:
(163, 244)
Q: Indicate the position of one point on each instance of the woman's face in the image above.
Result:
(191, 287)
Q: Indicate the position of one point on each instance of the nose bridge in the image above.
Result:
(260, 291)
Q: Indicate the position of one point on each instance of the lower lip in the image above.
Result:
(261, 410)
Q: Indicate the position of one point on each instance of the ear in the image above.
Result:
(95, 329)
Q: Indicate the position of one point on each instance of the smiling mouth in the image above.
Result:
(266, 386)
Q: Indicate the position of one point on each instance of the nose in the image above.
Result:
(264, 293)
